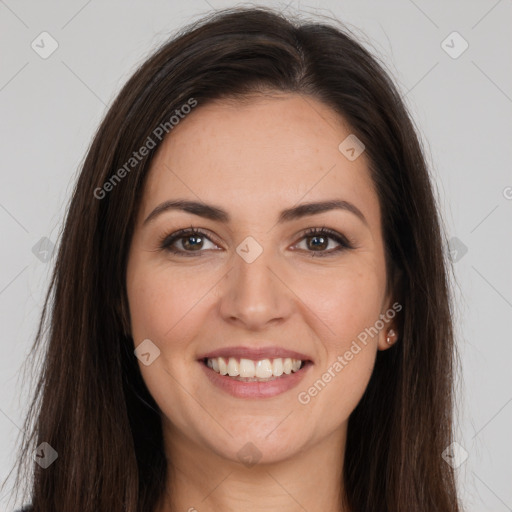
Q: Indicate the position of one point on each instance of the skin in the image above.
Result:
(254, 160)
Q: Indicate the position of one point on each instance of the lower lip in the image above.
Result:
(240, 389)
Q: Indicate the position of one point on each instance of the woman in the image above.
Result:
(250, 306)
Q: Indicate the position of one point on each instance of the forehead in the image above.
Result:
(258, 157)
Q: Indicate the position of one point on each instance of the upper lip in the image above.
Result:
(255, 353)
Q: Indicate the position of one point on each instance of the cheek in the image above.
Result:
(347, 302)
(165, 308)
(350, 306)
(162, 305)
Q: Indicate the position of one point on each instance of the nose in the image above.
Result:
(255, 294)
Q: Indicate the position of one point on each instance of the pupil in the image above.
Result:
(322, 244)
(192, 237)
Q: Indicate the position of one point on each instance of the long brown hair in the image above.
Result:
(91, 404)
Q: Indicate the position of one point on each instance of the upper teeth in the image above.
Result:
(262, 369)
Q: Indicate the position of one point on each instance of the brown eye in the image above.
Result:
(191, 240)
(319, 239)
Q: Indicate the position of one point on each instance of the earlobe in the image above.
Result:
(388, 338)
(391, 336)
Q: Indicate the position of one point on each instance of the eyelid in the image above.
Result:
(344, 242)
(168, 239)
(331, 233)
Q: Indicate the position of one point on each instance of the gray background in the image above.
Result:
(51, 107)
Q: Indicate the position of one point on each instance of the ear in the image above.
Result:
(390, 317)
(389, 334)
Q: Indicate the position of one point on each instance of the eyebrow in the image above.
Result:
(219, 215)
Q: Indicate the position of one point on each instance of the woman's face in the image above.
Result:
(254, 285)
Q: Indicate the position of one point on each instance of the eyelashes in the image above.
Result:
(193, 238)
(325, 234)
(167, 241)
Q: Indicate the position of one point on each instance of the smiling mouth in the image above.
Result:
(248, 370)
